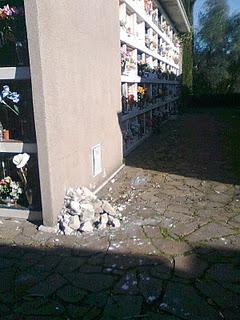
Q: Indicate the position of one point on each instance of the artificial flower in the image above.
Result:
(8, 95)
(21, 159)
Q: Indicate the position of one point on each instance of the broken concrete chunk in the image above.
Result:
(67, 230)
(74, 222)
(98, 206)
(104, 219)
(116, 223)
(87, 216)
(48, 229)
(74, 206)
(86, 227)
(87, 206)
(108, 208)
(89, 194)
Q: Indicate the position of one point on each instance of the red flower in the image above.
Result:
(131, 98)
(2, 182)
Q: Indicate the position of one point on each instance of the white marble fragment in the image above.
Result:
(67, 230)
(75, 206)
(116, 223)
(108, 208)
(104, 219)
(87, 227)
(74, 222)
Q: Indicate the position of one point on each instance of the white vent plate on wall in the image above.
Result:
(96, 160)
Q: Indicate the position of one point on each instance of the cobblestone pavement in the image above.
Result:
(176, 255)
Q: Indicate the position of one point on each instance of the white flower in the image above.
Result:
(20, 160)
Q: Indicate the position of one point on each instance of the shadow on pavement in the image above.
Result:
(202, 144)
(65, 283)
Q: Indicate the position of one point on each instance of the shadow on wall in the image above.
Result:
(203, 144)
(65, 283)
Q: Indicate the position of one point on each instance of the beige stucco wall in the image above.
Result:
(75, 70)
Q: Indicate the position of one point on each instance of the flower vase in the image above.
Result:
(8, 202)
(6, 135)
(28, 194)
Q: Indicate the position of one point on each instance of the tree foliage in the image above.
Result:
(217, 50)
(187, 44)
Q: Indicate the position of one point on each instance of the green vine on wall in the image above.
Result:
(187, 62)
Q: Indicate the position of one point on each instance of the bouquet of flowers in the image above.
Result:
(7, 16)
(141, 93)
(10, 99)
(13, 41)
(144, 69)
(124, 58)
(131, 64)
(9, 190)
(131, 99)
(148, 5)
(154, 44)
(147, 41)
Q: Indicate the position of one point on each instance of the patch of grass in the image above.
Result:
(165, 233)
(181, 237)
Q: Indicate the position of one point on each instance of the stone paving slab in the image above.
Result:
(175, 256)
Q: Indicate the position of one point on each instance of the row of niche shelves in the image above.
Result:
(135, 111)
(158, 53)
(137, 15)
(16, 117)
(19, 188)
(135, 130)
(13, 35)
(135, 63)
(139, 98)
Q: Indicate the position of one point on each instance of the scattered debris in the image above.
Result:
(237, 195)
(137, 181)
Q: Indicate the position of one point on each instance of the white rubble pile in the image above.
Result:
(84, 212)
